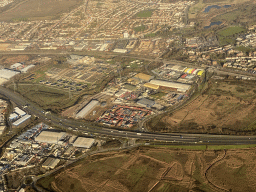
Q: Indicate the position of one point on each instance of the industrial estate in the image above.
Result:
(127, 95)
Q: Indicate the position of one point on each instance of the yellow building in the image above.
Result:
(151, 86)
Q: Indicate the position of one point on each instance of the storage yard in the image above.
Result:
(123, 116)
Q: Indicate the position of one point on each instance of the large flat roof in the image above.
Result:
(49, 137)
(21, 120)
(19, 111)
(7, 74)
(87, 109)
(50, 163)
(151, 86)
(170, 84)
(84, 142)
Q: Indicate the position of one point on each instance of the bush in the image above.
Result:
(240, 89)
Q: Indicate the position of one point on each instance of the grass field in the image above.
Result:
(37, 9)
(158, 169)
(228, 35)
(139, 28)
(230, 16)
(145, 13)
(48, 98)
(195, 9)
(231, 31)
(158, 95)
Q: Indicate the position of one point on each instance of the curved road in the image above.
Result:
(89, 128)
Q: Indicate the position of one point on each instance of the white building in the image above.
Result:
(84, 142)
(179, 86)
(52, 137)
(50, 163)
(87, 109)
(7, 74)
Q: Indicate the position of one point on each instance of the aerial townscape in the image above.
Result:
(127, 96)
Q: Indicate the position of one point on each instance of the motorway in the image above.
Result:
(89, 129)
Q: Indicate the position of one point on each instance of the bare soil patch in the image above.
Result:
(226, 107)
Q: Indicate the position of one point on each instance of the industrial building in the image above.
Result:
(23, 159)
(52, 137)
(50, 163)
(151, 86)
(120, 50)
(87, 109)
(16, 66)
(172, 85)
(13, 116)
(21, 121)
(146, 102)
(121, 93)
(2, 128)
(175, 67)
(20, 112)
(7, 73)
(84, 142)
(25, 70)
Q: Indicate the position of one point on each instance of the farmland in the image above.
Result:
(37, 9)
(158, 169)
(225, 107)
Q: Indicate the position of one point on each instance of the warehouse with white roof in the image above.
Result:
(7, 74)
(51, 137)
(84, 142)
(20, 112)
(87, 109)
(21, 120)
(50, 163)
(168, 84)
(25, 70)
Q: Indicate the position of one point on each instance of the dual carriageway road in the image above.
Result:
(92, 129)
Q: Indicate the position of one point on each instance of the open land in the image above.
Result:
(158, 169)
(225, 107)
(31, 10)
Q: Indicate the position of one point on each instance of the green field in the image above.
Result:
(231, 16)
(158, 95)
(140, 28)
(195, 9)
(150, 35)
(228, 35)
(145, 13)
(47, 97)
(231, 31)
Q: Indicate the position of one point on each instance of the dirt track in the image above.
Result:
(152, 169)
